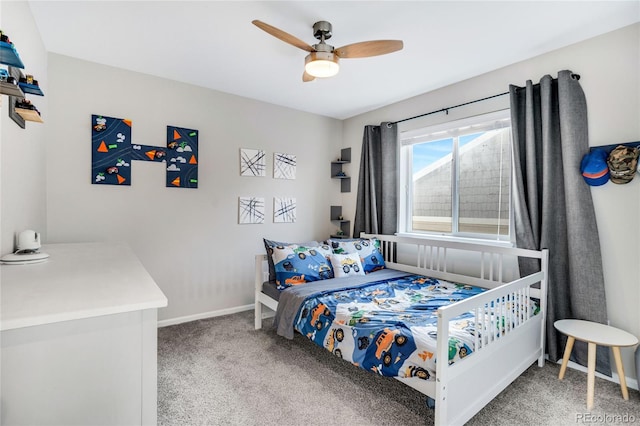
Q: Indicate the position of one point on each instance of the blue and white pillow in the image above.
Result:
(346, 265)
(269, 246)
(295, 265)
(368, 249)
(324, 249)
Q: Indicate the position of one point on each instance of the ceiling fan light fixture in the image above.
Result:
(321, 64)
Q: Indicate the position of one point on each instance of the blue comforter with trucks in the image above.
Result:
(385, 322)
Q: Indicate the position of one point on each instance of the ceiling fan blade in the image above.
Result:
(286, 37)
(307, 77)
(365, 49)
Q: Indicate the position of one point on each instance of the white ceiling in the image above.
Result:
(213, 43)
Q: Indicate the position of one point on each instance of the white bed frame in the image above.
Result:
(462, 389)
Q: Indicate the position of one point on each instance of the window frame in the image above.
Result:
(481, 122)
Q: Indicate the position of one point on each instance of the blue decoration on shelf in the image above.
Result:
(31, 88)
(9, 55)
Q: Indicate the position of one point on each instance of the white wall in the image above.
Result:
(188, 239)
(22, 151)
(610, 69)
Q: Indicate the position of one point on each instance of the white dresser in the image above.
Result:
(79, 338)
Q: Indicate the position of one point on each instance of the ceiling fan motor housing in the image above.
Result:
(322, 30)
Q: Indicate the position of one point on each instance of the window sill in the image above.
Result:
(441, 237)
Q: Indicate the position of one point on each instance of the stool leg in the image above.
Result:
(591, 374)
(619, 367)
(567, 353)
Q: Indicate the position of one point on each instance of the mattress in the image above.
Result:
(270, 289)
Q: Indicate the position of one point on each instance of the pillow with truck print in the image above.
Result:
(270, 244)
(346, 265)
(367, 249)
(295, 265)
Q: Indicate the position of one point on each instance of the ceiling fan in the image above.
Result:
(323, 59)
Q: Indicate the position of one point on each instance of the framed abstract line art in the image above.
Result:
(284, 166)
(252, 162)
(284, 210)
(250, 210)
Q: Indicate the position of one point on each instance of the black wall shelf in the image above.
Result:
(338, 173)
(343, 225)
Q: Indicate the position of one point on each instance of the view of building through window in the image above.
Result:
(460, 184)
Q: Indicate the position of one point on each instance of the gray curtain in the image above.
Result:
(553, 207)
(377, 198)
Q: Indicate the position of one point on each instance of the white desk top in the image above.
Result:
(78, 281)
(596, 333)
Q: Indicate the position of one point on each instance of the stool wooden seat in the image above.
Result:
(595, 334)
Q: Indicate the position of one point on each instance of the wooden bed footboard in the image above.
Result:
(506, 343)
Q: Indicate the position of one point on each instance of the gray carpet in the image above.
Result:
(221, 371)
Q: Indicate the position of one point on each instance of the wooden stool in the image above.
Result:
(595, 334)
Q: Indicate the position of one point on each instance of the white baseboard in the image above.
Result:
(631, 383)
(204, 315)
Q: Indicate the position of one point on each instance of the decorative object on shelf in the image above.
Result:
(284, 166)
(252, 162)
(27, 110)
(343, 225)
(9, 84)
(250, 210)
(29, 85)
(284, 210)
(8, 53)
(112, 152)
(338, 173)
(21, 109)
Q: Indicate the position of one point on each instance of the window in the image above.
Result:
(456, 178)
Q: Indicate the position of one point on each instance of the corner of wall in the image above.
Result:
(22, 153)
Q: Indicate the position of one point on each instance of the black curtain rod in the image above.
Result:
(446, 110)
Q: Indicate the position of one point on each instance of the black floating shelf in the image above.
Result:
(31, 88)
(9, 56)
